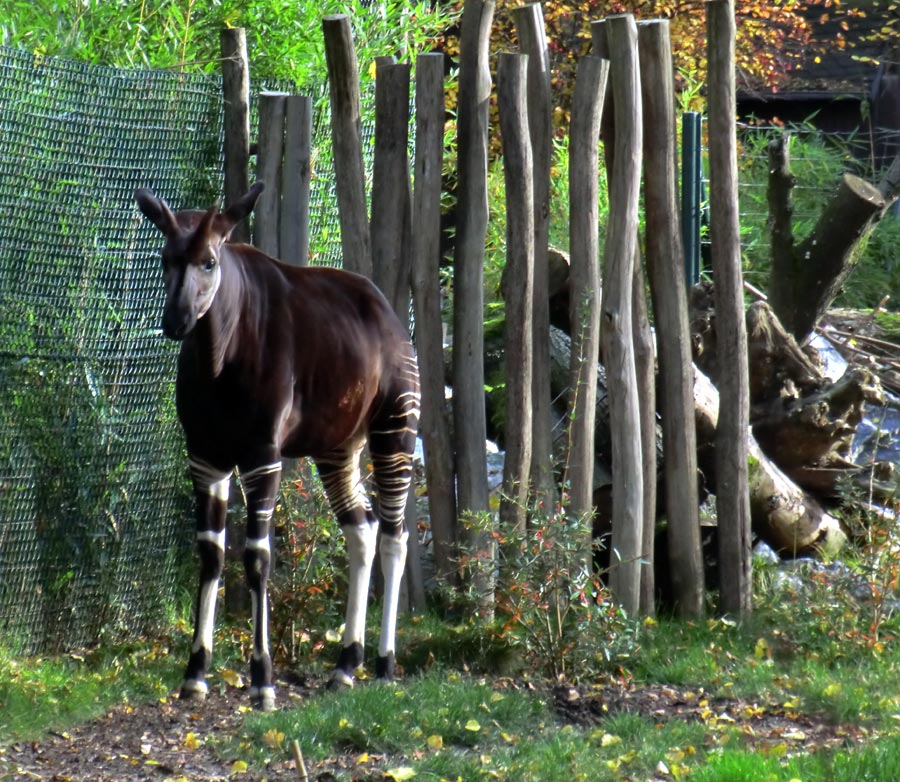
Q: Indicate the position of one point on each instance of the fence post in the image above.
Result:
(269, 152)
(617, 316)
(584, 249)
(426, 261)
(295, 180)
(512, 86)
(390, 224)
(669, 295)
(236, 120)
(529, 22)
(350, 182)
(691, 194)
(732, 430)
(469, 415)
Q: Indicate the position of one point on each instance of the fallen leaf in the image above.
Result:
(400, 774)
(435, 742)
(473, 726)
(232, 678)
(273, 738)
(239, 767)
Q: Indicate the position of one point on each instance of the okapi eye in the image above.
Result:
(209, 265)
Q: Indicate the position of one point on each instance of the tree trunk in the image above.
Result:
(806, 278)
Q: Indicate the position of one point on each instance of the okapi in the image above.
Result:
(281, 361)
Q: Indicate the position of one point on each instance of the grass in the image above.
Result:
(53, 693)
(446, 722)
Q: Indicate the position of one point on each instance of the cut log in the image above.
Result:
(782, 514)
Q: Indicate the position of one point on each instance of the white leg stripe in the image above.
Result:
(262, 618)
(206, 615)
(393, 559)
(216, 538)
(361, 553)
(259, 544)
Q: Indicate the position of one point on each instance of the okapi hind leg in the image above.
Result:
(211, 488)
(340, 476)
(260, 488)
(392, 440)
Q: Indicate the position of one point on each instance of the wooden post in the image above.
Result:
(343, 81)
(584, 161)
(426, 261)
(616, 315)
(269, 151)
(236, 121)
(669, 294)
(390, 226)
(529, 22)
(512, 86)
(732, 493)
(470, 425)
(295, 180)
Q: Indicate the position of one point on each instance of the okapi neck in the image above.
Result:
(217, 328)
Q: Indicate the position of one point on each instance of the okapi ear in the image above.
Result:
(157, 211)
(239, 210)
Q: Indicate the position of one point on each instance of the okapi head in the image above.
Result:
(190, 257)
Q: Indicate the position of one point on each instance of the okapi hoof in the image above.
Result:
(384, 668)
(193, 690)
(262, 698)
(340, 680)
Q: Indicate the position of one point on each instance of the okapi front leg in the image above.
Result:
(211, 489)
(260, 486)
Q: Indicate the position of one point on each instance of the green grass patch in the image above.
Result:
(53, 693)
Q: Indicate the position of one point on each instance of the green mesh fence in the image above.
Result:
(94, 501)
(95, 505)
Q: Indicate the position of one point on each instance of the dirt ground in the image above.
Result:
(166, 740)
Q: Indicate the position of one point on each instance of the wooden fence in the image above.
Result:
(628, 81)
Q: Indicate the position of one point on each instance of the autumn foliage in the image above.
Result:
(771, 37)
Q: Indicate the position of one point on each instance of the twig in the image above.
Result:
(874, 341)
(298, 757)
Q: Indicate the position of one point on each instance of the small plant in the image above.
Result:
(305, 588)
(550, 605)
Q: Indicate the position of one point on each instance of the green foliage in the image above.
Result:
(307, 584)
(550, 607)
(284, 38)
(817, 162)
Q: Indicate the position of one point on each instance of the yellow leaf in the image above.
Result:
(832, 689)
(273, 738)
(332, 636)
(364, 758)
(373, 68)
(239, 767)
(608, 740)
(473, 726)
(191, 741)
(400, 774)
(232, 678)
(762, 651)
(435, 742)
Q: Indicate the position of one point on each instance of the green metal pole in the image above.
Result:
(691, 186)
